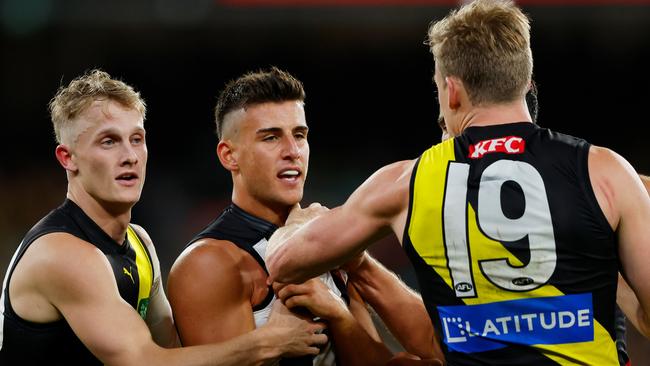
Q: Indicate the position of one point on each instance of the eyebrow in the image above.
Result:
(114, 131)
(278, 129)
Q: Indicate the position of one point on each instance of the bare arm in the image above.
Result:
(336, 236)
(399, 307)
(159, 315)
(625, 203)
(646, 182)
(83, 289)
(209, 295)
(625, 296)
(356, 341)
(629, 304)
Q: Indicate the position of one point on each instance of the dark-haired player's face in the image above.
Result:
(272, 152)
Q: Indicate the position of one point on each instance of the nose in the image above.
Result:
(290, 149)
(129, 157)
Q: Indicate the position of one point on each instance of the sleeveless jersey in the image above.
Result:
(516, 261)
(27, 343)
(251, 234)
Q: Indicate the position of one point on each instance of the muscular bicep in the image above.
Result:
(83, 288)
(208, 295)
(627, 206)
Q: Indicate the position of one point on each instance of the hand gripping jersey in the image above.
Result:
(26, 343)
(251, 234)
(516, 262)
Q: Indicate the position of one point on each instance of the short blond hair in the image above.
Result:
(486, 44)
(72, 100)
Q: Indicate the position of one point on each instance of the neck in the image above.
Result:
(275, 214)
(495, 114)
(112, 220)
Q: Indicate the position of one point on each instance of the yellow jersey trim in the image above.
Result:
(145, 271)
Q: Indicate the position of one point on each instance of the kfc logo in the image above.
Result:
(508, 145)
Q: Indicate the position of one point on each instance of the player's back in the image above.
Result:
(516, 261)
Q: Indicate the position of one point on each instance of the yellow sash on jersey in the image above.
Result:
(425, 232)
(145, 271)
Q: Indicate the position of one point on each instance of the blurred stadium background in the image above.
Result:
(366, 70)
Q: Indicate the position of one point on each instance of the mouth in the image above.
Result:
(128, 178)
(290, 175)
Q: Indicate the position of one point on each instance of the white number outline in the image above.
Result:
(535, 224)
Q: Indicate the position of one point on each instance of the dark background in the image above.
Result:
(366, 70)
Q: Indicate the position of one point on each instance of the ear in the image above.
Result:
(454, 89)
(226, 154)
(64, 154)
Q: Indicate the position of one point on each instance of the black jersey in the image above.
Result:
(27, 343)
(251, 234)
(516, 261)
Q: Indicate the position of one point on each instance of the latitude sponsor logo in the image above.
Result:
(547, 320)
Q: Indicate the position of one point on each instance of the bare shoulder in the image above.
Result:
(209, 253)
(62, 266)
(603, 158)
(64, 251)
(614, 181)
(609, 170)
(208, 262)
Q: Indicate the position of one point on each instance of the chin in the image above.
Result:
(123, 201)
(289, 201)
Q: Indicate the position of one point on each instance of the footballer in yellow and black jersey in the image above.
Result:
(516, 261)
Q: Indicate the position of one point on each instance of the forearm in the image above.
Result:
(402, 311)
(322, 244)
(629, 304)
(294, 262)
(354, 346)
(253, 348)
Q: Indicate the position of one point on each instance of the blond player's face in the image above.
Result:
(110, 153)
(272, 152)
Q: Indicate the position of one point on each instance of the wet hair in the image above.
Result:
(263, 86)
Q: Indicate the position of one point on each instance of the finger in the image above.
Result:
(318, 339)
(299, 301)
(278, 286)
(312, 351)
(290, 290)
(317, 326)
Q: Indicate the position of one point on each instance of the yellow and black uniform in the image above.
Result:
(26, 343)
(516, 261)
